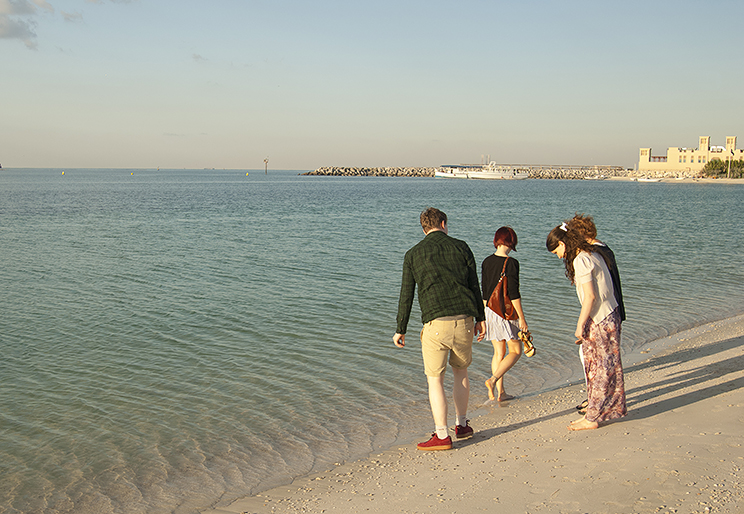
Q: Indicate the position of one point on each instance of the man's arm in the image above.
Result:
(399, 340)
(405, 302)
(474, 286)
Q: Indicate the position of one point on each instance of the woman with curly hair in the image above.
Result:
(598, 327)
(585, 225)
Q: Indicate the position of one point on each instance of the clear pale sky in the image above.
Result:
(227, 83)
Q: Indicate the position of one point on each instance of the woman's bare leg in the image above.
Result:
(500, 364)
(499, 351)
(495, 384)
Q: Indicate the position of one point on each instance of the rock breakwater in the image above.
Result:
(575, 172)
(546, 172)
(336, 171)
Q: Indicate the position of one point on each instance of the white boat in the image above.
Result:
(646, 179)
(494, 171)
(447, 172)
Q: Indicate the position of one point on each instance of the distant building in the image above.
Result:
(689, 161)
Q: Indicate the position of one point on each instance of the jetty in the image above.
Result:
(534, 171)
(335, 171)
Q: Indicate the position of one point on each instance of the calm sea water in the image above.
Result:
(176, 339)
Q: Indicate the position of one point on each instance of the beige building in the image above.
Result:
(688, 161)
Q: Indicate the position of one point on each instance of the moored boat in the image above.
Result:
(450, 172)
(494, 171)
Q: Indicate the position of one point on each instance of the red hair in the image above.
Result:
(505, 236)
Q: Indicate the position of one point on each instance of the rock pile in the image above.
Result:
(336, 171)
(547, 172)
(576, 172)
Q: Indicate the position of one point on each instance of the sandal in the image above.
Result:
(526, 338)
(582, 407)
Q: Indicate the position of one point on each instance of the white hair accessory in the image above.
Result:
(564, 227)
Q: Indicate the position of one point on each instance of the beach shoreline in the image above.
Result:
(685, 180)
(680, 449)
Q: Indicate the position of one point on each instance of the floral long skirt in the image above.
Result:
(604, 370)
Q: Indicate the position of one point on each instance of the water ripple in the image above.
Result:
(157, 330)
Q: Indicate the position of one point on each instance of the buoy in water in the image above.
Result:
(63, 173)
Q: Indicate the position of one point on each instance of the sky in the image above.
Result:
(305, 84)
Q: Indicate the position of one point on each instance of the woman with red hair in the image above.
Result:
(499, 331)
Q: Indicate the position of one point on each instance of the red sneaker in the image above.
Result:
(464, 432)
(436, 444)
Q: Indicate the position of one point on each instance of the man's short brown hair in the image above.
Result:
(432, 218)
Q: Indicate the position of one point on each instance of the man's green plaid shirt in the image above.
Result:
(444, 270)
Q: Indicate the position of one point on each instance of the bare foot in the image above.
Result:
(490, 383)
(583, 424)
(504, 397)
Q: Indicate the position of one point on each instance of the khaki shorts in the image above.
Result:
(441, 340)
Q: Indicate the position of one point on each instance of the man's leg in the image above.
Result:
(435, 348)
(461, 392)
(438, 400)
(440, 440)
(436, 337)
(460, 359)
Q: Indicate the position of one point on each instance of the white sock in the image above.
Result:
(442, 432)
(461, 420)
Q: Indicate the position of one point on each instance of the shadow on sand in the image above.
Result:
(685, 386)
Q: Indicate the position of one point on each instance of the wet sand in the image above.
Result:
(679, 450)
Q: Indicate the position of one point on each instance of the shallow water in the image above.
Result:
(173, 339)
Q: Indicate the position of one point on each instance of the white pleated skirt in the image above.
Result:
(498, 328)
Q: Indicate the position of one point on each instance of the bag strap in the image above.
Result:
(503, 270)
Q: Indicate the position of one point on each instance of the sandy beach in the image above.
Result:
(686, 180)
(679, 450)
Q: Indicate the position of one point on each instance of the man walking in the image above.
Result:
(451, 311)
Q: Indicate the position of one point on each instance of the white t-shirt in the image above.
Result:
(590, 267)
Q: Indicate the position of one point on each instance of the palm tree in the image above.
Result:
(729, 168)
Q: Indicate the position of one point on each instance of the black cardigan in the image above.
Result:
(491, 272)
(609, 258)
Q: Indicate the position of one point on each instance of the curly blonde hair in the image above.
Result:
(584, 225)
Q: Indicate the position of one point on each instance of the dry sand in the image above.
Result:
(686, 180)
(678, 450)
